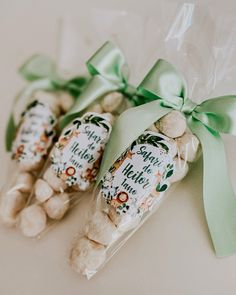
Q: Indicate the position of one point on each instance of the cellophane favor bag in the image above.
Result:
(32, 129)
(152, 146)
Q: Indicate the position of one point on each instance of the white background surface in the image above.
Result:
(170, 254)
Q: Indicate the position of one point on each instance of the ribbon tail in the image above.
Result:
(96, 88)
(10, 133)
(218, 195)
(134, 121)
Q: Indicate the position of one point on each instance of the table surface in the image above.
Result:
(171, 253)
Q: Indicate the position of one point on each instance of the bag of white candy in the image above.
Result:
(148, 156)
(75, 158)
(32, 128)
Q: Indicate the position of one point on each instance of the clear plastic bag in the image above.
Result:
(72, 166)
(201, 50)
(36, 132)
(133, 189)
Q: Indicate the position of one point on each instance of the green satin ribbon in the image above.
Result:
(109, 72)
(42, 74)
(166, 90)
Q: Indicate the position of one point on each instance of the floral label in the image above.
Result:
(35, 133)
(139, 175)
(78, 152)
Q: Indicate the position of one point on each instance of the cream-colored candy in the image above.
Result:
(55, 182)
(125, 104)
(95, 108)
(181, 170)
(153, 128)
(66, 101)
(111, 102)
(24, 182)
(124, 223)
(188, 145)
(11, 204)
(33, 220)
(100, 228)
(43, 191)
(49, 98)
(57, 206)
(30, 166)
(172, 125)
(86, 256)
(110, 118)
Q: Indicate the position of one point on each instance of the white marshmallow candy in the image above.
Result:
(124, 223)
(66, 101)
(112, 101)
(55, 182)
(181, 170)
(24, 182)
(57, 206)
(109, 118)
(43, 191)
(49, 98)
(33, 221)
(86, 256)
(188, 146)
(95, 108)
(11, 204)
(172, 125)
(101, 229)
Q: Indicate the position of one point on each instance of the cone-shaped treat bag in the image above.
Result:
(32, 128)
(151, 154)
(75, 158)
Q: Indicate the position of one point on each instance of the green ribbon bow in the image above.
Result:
(109, 72)
(165, 89)
(42, 74)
